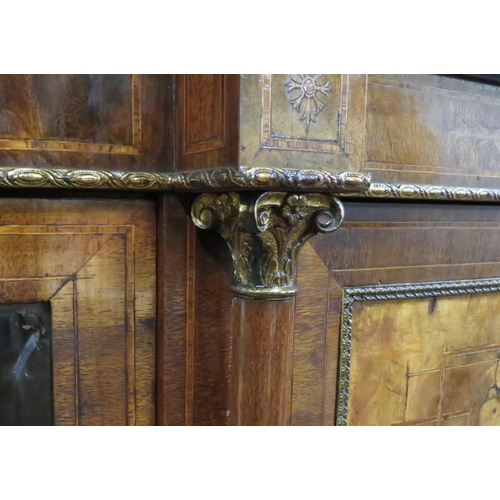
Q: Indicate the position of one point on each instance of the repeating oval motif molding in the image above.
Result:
(345, 184)
(228, 178)
(423, 192)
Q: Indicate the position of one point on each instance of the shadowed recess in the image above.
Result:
(26, 396)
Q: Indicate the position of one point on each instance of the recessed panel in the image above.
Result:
(86, 113)
(304, 112)
(100, 292)
(422, 354)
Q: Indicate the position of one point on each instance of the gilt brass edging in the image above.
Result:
(344, 184)
(265, 233)
(219, 179)
(350, 295)
(264, 293)
(422, 192)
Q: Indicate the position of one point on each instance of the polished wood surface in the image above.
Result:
(95, 263)
(272, 132)
(194, 336)
(207, 121)
(378, 244)
(261, 362)
(399, 128)
(115, 122)
(424, 129)
(431, 361)
(211, 354)
(172, 398)
(432, 129)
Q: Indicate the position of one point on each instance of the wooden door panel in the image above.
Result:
(423, 361)
(100, 281)
(382, 244)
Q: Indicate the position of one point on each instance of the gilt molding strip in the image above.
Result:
(219, 179)
(350, 295)
(345, 184)
(432, 193)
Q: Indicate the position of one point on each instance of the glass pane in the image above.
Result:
(25, 365)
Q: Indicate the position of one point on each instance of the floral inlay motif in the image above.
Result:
(307, 87)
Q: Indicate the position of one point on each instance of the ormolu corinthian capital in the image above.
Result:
(265, 234)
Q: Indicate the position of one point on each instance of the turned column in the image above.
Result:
(264, 232)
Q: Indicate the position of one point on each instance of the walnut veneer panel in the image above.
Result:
(403, 129)
(433, 130)
(95, 264)
(115, 122)
(378, 244)
(207, 121)
(302, 121)
(432, 361)
(194, 318)
(211, 334)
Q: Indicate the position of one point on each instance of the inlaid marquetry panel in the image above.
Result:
(379, 244)
(432, 129)
(302, 121)
(94, 262)
(421, 354)
(304, 112)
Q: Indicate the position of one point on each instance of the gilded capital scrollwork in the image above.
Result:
(265, 234)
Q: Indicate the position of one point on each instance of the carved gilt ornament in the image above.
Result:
(342, 184)
(218, 179)
(265, 234)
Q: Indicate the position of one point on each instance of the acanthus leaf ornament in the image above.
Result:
(265, 234)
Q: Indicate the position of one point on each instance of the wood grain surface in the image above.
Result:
(207, 114)
(95, 264)
(426, 362)
(378, 244)
(114, 122)
(96, 260)
(261, 362)
(403, 129)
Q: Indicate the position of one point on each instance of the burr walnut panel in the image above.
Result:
(432, 361)
(380, 243)
(95, 264)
